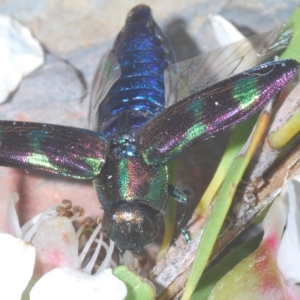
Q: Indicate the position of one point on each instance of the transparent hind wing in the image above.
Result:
(190, 76)
(107, 74)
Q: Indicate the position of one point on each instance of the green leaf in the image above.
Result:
(214, 274)
(292, 51)
(137, 287)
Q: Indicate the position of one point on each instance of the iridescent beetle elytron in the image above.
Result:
(146, 110)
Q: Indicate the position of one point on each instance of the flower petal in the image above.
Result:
(17, 260)
(274, 223)
(288, 258)
(224, 31)
(20, 54)
(66, 283)
(256, 277)
(11, 223)
(56, 244)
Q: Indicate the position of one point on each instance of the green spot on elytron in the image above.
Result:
(41, 161)
(194, 109)
(193, 132)
(36, 138)
(94, 163)
(248, 94)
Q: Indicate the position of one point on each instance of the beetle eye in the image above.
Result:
(130, 225)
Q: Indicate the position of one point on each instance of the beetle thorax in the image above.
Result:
(124, 145)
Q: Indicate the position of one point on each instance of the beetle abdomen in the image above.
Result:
(143, 54)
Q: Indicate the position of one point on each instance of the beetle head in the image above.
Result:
(131, 225)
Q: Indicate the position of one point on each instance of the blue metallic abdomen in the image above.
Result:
(139, 94)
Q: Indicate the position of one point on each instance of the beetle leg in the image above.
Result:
(121, 251)
(181, 197)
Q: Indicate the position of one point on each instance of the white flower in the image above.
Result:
(46, 250)
(273, 270)
(67, 283)
(20, 54)
(288, 256)
(17, 263)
